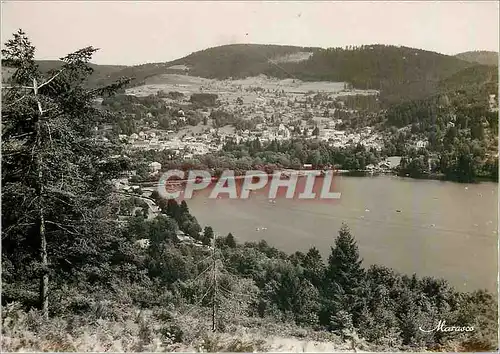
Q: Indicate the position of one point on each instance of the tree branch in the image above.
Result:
(49, 80)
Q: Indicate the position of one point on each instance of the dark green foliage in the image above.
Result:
(478, 77)
(461, 131)
(344, 279)
(230, 241)
(204, 99)
(237, 60)
(56, 172)
(180, 213)
(222, 118)
(314, 268)
(208, 235)
(415, 168)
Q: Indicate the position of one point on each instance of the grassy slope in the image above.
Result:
(483, 57)
(143, 331)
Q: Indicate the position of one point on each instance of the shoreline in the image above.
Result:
(366, 173)
(434, 176)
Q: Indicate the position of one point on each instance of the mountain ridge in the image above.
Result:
(484, 57)
(399, 72)
(393, 69)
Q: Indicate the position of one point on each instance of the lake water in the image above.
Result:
(442, 229)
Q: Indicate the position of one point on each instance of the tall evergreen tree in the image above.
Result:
(208, 235)
(314, 268)
(55, 172)
(230, 241)
(344, 279)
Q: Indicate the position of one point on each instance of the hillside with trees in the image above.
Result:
(236, 60)
(100, 73)
(396, 71)
(479, 79)
(376, 66)
(399, 72)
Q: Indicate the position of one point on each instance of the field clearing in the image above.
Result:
(293, 58)
(200, 129)
(234, 88)
(178, 67)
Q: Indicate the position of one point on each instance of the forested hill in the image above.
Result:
(478, 78)
(399, 72)
(238, 60)
(101, 73)
(483, 57)
(373, 66)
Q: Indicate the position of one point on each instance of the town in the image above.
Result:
(206, 114)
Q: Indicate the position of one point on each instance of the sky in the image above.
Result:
(136, 32)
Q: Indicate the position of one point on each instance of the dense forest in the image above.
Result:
(477, 81)
(236, 60)
(460, 127)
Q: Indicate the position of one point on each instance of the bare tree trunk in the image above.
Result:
(214, 299)
(44, 280)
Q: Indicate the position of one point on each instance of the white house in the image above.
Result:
(493, 103)
(143, 243)
(421, 144)
(384, 165)
(394, 161)
(154, 167)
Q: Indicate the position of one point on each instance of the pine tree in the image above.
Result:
(184, 207)
(230, 241)
(345, 277)
(227, 296)
(55, 172)
(314, 268)
(208, 235)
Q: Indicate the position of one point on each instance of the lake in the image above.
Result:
(436, 228)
